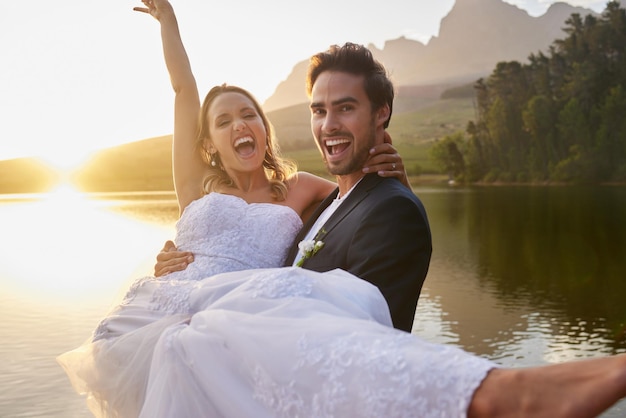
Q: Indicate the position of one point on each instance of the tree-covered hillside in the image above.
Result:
(561, 117)
(146, 165)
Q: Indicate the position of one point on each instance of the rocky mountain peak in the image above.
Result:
(473, 37)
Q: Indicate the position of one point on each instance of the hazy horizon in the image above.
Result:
(82, 77)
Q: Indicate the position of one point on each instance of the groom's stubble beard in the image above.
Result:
(361, 154)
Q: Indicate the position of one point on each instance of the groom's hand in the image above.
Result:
(170, 260)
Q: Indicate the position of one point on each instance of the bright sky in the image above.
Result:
(82, 75)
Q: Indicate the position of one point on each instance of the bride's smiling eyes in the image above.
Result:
(225, 121)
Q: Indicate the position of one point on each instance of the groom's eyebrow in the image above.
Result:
(338, 102)
(344, 100)
(316, 105)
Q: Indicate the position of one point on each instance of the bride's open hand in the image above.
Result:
(155, 8)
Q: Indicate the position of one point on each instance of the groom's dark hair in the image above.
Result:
(357, 60)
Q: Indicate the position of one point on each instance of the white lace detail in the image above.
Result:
(172, 296)
(251, 236)
(222, 244)
(283, 399)
(283, 284)
(134, 288)
(361, 377)
(101, 330)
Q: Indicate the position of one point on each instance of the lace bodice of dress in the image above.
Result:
(225, 233)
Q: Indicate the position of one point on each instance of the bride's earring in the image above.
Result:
(213, 159)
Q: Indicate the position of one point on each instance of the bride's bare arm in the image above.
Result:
(189, 169)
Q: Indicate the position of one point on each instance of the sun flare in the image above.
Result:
(68, 247)
(64, 194)
(66, 161)
(61, 169)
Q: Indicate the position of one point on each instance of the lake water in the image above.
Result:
(520, 275)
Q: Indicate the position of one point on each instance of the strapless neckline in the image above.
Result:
(242, 201)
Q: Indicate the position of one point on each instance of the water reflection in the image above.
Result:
(523, 276)
(66, 258)
(530, 275)
(65, 247)
(561, 247)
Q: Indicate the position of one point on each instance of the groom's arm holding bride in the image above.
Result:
(170, 259)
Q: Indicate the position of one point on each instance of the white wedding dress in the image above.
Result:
(236, 336)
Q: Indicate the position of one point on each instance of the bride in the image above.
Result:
(235, 336)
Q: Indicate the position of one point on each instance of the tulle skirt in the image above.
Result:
(282, 342)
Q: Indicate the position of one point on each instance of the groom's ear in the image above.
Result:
(382, 115)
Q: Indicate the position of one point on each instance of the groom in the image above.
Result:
(371, 226)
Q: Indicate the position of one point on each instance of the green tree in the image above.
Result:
(447, 155)
(539, 123)
(561, 115)
(611, 134)
(573, 129)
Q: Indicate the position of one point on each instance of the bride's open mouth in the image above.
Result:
(245, 146)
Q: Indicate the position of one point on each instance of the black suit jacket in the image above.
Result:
(380, 233)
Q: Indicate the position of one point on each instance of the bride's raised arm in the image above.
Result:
(189, 169)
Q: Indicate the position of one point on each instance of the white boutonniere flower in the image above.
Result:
(308, 248)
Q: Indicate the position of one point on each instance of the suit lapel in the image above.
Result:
(354, 198)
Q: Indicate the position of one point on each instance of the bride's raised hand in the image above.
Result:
(385, 160)
(155, 8)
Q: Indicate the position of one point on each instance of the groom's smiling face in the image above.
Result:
(342, 121)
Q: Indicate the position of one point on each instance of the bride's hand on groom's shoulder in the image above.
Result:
(385, 160)
(170, 260)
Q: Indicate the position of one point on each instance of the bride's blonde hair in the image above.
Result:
(277, 168)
